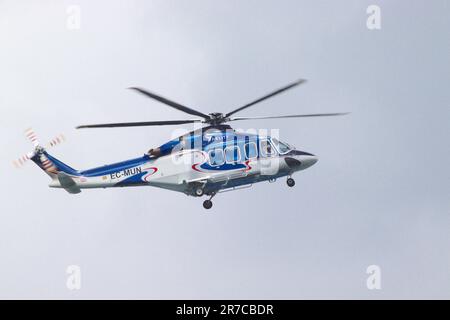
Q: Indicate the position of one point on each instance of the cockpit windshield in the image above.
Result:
(281, 146)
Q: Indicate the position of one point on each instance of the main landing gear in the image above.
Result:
(198, 191)
(290, 182)
(207, 204)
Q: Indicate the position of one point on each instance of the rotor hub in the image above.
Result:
(216, 118)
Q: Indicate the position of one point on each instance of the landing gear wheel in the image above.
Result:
(290, 182)
(199, 192)
(207, 204)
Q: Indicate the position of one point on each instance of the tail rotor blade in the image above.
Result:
(31, 135)
(57, 140)
(22, 160)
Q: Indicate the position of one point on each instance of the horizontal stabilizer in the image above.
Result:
(68, 183)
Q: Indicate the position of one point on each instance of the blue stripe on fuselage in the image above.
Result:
(223, 167)
(61, 166)
(111, 168)
(134, 180)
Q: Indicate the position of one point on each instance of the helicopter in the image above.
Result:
(210, 159)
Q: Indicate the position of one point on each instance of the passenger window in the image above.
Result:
(251, 150)
(266, 148)
(216, 157)
(232, 154)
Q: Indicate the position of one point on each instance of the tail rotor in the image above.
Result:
(39, 150)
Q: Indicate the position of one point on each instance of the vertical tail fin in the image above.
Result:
(51, 165)
(62, 175)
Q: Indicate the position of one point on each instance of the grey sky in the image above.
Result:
(378, 195)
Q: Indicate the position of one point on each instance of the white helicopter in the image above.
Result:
(204, 162)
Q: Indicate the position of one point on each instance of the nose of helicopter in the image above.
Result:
(308, 160)
(300, 160)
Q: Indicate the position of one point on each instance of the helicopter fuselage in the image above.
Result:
(196, 164)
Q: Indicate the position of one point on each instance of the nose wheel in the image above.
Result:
(290, 182)
(207, 204)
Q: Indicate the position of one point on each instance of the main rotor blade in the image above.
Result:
(296, 83)
(171, 103)
(292, 116)
(137, 124)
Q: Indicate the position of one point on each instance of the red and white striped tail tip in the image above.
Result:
(57, 140)
(48, 165)
(30, 134)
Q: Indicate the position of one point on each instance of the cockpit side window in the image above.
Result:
(281, 146)
(216, 157)
(266, 149)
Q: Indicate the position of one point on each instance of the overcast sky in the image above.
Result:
(379, 194)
